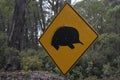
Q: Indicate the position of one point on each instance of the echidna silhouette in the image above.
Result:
(65, 36)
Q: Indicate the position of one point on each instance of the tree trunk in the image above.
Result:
(16, 35)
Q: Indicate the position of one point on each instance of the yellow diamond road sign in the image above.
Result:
(67, 38)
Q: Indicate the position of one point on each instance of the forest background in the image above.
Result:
(22, 22)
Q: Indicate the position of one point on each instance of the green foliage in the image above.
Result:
(112, 12)
(107, 69)
(31, 63)
(3, 40)
(29, 52)
(6, 7)
(113, 19)
(31, 60)
(6, 12)
(37, 60)
(12, 59)
(56, 70)
(3, 45)
(47, 63)
(94, 12)
(92, 78)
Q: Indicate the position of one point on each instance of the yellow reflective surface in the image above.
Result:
(65, 57)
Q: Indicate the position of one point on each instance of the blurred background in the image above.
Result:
(23, 21)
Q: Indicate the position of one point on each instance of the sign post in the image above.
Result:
(67, 38)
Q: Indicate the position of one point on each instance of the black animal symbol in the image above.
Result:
(65, 36)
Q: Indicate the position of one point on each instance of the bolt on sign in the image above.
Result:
(67, 38)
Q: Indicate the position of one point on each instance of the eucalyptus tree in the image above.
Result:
(94, 12)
